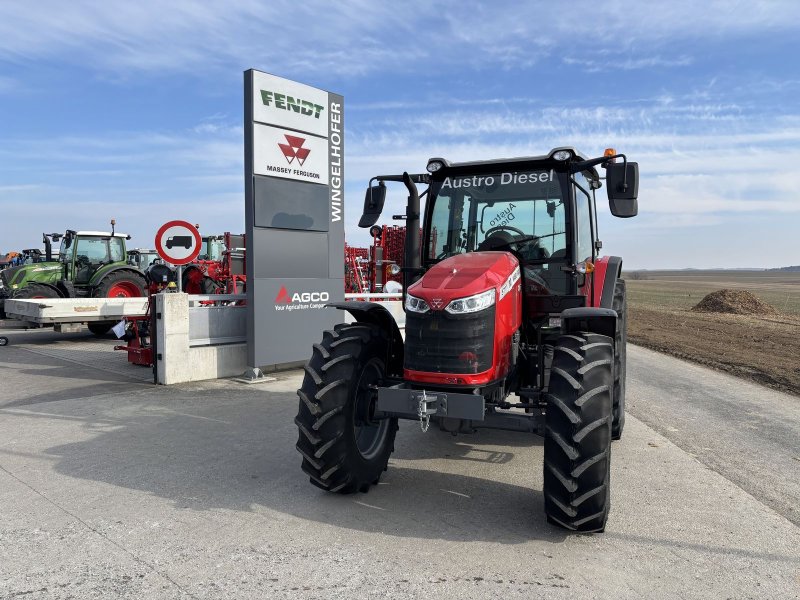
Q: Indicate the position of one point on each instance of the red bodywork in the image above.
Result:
(222, 273)
(593, 289)
(465, 275)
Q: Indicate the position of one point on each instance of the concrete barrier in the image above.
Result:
(196, 341)
(177, 359)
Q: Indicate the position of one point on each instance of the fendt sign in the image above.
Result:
(294, 156)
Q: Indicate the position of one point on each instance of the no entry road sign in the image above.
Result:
(178, 242)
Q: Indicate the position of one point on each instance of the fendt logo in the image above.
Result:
(284, 102)
(300, 300)
(294, 149)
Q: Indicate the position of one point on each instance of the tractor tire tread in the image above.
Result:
(578, 433)
(326, 435)
(619, 304)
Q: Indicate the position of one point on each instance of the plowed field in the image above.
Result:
(764, 348)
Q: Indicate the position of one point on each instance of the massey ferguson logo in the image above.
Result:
(286, 300)
(294, 149)
(437, 303)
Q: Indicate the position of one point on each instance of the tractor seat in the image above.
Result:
(557, 279)
(497, 241)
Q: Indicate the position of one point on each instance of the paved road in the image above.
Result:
(747, 433)
(110, 487)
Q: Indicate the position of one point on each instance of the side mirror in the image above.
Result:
(622, 186)
(373, 205)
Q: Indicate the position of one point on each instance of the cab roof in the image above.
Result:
(102, 234)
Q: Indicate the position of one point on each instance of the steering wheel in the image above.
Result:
(491, 230)
(82, 260)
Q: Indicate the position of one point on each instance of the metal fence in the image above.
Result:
(217, 319)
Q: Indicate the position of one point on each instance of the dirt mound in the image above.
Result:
(737, 302)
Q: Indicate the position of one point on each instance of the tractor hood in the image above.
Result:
(464, 275)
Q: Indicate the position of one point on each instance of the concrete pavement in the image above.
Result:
(113, 488)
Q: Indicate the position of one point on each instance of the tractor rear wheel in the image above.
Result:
(577, 444)
(121, 284)
(620, 343)
(35, 290)
(100, 328)
(345, 449)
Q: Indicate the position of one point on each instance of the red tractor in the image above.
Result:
(513, 322)
(219, 268)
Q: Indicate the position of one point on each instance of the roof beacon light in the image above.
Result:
(610, 152)
(562, 155)
(434, 166)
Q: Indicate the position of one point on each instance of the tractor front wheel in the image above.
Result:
(35, 290)
(345, 448)
(577, 444)
(121, 284)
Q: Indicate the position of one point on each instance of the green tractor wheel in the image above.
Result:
(35, 290)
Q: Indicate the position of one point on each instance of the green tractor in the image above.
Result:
(89, 264)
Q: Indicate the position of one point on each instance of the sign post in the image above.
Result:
(179, 243)
(294, 215)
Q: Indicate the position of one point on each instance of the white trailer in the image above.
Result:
(69, 314)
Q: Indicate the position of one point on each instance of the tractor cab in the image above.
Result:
(84, 253)
(212, 248)
(142, 258)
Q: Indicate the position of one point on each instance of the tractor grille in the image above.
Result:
(438, 342)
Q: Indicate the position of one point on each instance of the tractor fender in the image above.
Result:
(374, 313)
(108, 270)
(606, 272)
(588, 318)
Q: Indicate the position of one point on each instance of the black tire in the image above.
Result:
(117, 279)
(100, 328)
(620, 344)
(3, 340)
(577, 444)
(35, 290)
(339, 454)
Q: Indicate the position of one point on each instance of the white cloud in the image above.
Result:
(360, 37)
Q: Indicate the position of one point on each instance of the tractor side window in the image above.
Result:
(449, 224)
(584, 219)
(117, 249)
(65, 250)
(94, 250)
(439, 223)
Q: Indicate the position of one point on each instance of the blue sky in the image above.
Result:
(134, 110)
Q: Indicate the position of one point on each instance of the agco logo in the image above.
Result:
(294, 149)
(284, 297)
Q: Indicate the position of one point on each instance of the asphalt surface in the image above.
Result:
(111, 487)
(748, 433)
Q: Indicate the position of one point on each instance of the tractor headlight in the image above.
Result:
(471, 304)
(417, 305)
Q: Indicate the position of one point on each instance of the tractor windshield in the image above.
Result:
(519, 211)
(489, 212)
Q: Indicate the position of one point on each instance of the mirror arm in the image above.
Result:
(416, 178)
(603, 160)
